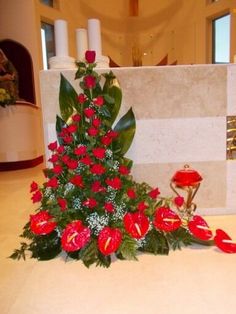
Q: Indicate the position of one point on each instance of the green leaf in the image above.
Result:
(155, 243)
(126, 128)
(102, 260)
(59, 125)
(67, 98)
(128, 248)
(179, 238)
(113, 95)
(89, 253)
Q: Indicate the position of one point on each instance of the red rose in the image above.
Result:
(179, 200)
(72, 164)
(76, 117)
(89, 81)
(77, 180)
(54, 158)
(68, 139)
(89, 112)
(224, 242)
(142, 206)
(97, 187)
(81, 98)
(72, 128)
(41, 223)
(109, 240)
(86, 160)
(123, 170)
(154, 193)
(65, 159)
(60, 149)
(106, 140)
(33, 187)
(99, 152)
(52, 146)
(131, 193)
(136, 224)
(36, 197)
(109, 207)
(199, 228)
(99, 101)
(90, 56)
(52, 183)
(90, 203)
(80, 150)
(96, 122)
(57, 169)
(166, 219)
(115, 183)
(112, 134)
(75, 236)
(62, 203)
(93, 131)
(97, 169)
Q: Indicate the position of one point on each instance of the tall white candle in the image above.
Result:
(61, 38)
(94, 36)
(81, 42)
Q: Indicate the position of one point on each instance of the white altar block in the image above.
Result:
(181, 119)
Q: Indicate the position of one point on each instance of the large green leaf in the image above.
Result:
(112, 89)
(126, 128)
(67, 98)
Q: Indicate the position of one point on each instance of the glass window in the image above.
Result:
(48, 46)
(221, 39)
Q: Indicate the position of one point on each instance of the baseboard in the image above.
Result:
(22, 164)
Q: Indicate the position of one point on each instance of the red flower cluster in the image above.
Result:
(41, 223)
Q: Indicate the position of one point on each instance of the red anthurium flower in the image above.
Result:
(57, 169)
(154, 193)
(109, 207)
(115, 183)
(224, 242)
(77, 180)
(89, 81)
(92, 131)
(81, 98)
(90, 56)
(52, 146)
(97, 187)
(99, 101)
(72, 128)
(131, 193)
(109, 240)
(166, 219)
(96, 122)
(123, 170)
(106, 140)
(41, 223)
(97, 169)
(90, 203)
(54, 158)
(99, 152)
(136, 224)
(76, 117)
(142, 206)
(72, 164)
(199, 228)
(52, 183)
(89, 112)
(62, 203)
(36, 197)
(80, 150)
(33, 187)
(75, 236)
(179, 201)
(86, 160)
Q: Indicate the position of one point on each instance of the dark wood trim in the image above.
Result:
(22, 164)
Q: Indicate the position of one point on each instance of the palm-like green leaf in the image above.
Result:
(126, 127)
(113, 95)
(67, 98)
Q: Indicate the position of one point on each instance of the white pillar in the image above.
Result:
(61, 38)
(81, 43)
(94, 36)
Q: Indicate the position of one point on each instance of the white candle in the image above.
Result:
(61, 38)
(81, 42)
(94, 36)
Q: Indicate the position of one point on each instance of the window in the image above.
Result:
(49, 3)
(221, 39)
(48, 46)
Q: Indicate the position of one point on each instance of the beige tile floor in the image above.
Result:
(194, 280)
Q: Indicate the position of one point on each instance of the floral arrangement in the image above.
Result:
(5, 98)
(90, 207)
